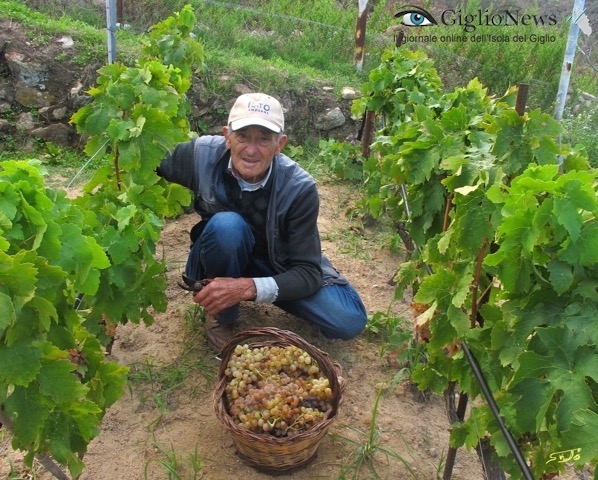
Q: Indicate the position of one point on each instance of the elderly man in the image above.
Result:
(258, 236)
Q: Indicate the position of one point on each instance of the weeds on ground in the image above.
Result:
(397, 343)
(580, 132)
(368, 449)
(189, 467)
(160, 382)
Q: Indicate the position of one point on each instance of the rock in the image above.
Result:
(348, 93)
(59, 113)
(66, 41)
(52, 113)
(25, 70)
(331, 119)
(4, 125)
(57, 133)
(30, 97)
(5, 91)
(31, 79)
(24, 122)
(43, 79)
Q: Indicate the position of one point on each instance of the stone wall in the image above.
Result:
(41, 87)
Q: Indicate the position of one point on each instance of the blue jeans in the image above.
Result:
(224, 250)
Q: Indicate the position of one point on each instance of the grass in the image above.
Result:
(580, 130)
(264, 47)
(367, 450)
(161, 383)
(64, 167)
(42, 29)
(189, 467)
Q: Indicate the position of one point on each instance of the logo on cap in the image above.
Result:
(256, 109)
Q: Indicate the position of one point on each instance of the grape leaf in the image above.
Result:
(34, 222)
(547, 151)
(583, 435)
(436, 287)
(584, 250)
(120, 129)
(45, 311)
(29, 410)
(124, 216)
(62, 451)
(9, 199)
(21, 362)
(108, 386)
(18, 276)
(95, 117)
(561, 366)
(8, 316)
(56, 380)
(120, 245)
(83, 256)
(541, 124)
(578, 189)
(568, 216)
(455, 119)
(561, 276)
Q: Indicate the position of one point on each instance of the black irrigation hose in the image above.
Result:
(494, 407)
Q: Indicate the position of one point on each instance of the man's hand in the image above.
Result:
(223, 292)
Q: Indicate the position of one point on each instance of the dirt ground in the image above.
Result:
(145, 431)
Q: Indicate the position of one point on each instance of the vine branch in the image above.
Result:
(116, 169)
(45, 460)
(476, 283)
(449, 202)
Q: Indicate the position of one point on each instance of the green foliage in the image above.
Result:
(579, 130)
(189, 467)
(55, 384)
(403, 81)
(319, 35)
(368, 449)
(503, 63)
(137, 115)
(343, 159)
(505, 258)
(398, 342)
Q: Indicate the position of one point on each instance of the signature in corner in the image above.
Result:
(565, 456)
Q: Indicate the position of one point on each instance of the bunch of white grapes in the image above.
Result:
(278, 390)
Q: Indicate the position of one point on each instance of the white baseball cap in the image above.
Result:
(256, 109)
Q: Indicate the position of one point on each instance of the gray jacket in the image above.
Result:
(294, 248)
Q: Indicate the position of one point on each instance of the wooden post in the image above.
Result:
(360, 34)
(119, 12)
(399, 39)
(521, 99)
(368, 133)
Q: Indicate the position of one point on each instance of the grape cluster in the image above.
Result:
(278, 390)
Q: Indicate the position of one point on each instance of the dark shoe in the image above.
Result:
(216, 334)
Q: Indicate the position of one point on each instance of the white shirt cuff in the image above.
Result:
(266, 289)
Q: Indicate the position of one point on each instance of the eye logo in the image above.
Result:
(412, 16)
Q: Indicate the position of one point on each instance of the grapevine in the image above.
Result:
(273, 390)
(70, 270)
(506, 257)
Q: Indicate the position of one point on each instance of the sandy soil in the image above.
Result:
(148, 429)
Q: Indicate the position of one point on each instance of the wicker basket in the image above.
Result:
(268, 453)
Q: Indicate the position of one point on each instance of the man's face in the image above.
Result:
(252, 151)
